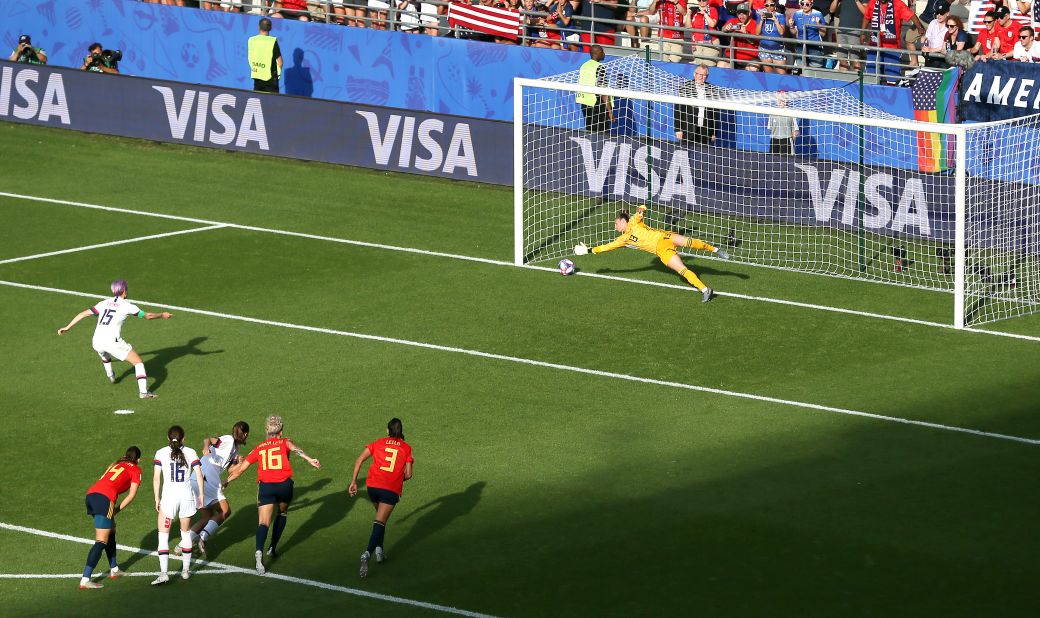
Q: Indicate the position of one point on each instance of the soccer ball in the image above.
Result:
(566, 267)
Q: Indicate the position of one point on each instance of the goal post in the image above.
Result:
(855, 193)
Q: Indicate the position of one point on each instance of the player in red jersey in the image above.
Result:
(274, 484)
(123, 475)
(391, 467)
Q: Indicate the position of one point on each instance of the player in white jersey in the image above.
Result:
(108, 341)
(181, 498)
(218, 454)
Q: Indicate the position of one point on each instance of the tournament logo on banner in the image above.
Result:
(1000, 89)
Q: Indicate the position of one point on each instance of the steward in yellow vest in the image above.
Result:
(598, 110)
(265, 59)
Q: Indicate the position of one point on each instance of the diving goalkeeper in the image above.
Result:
(663, 244)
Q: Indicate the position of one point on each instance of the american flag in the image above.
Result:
(486, 19)
(979, 8)
(933, 97)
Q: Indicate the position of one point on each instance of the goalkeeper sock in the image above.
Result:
(693, 243)
(142, 378)
(691, 278)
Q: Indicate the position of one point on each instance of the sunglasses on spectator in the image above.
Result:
(951, 25)
(988, 21)
(1024, 36)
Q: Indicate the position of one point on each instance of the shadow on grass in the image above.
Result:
(702, 270)
(156, 361)
(438, 514)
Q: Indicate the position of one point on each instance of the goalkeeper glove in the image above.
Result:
(722, 254)
(580, 249)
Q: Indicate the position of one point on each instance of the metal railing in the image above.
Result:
(884, 65)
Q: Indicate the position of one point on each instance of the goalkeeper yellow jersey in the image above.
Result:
(638, 235)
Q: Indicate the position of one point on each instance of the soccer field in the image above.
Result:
(602, 444)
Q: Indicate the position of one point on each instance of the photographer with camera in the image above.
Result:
(26, 53)
(102, 60)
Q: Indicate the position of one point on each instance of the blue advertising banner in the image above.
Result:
(359, 65)
(1000, 89)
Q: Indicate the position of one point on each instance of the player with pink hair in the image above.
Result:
(107, 340)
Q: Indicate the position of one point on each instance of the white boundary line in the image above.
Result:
(227, 568)
(112, 244)
(101, 575)
(537, 363)
(358, 243)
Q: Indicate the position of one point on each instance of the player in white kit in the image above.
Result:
(181, 498)
(218, 454)
(108, 342)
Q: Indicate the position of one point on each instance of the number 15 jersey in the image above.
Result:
(389, 455)
(273, 455)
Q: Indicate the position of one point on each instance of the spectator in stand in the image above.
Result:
(1025, 7)
(956, 38)
(291, 9)
(561, 14)
(696, 123)
(408, 16)
(704, 47)
(594, 29)
(989, 45)
(535, 34)
(1008, 29)
(807, 25)
(635, 12)
(670, 15)
(742, 51)
(26, 53)
(770, 50)
(430, 17)
(349, 14)
(850, 19)
(378, 11)
(884, 19)
(934, 41)
(1026, 49)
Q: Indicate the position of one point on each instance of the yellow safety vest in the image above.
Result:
(261, 56)
(587, 77)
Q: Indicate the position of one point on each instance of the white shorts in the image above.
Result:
(213, 493)
(108, 350)
(178, 507)
(378, 5)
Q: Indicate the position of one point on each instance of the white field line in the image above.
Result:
(112, 244)
(227, 568)
(102, 574)
(537, 363)
(359, 243)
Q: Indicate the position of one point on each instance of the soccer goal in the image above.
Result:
(810, 181)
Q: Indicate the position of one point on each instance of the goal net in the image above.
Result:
(810, 181)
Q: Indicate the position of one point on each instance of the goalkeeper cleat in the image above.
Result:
(162, 579)
(364, 565)
(260, 570)
(707, 294)
(380, 556)
(722, 254)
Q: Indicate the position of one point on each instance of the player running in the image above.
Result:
(662, 243)
(274, 484)
(107, 341)
(218, 454)
(174, 464)
(391, 467)
(123, 475)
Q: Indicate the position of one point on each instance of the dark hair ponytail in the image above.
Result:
(176, 437)
(394, 429)
(133, 455)
(622, 214)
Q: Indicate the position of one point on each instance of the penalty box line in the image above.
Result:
(468, 258)
(227, 568)
(545, 364)
(112, 244)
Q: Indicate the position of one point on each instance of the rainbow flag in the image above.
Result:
(934, 94)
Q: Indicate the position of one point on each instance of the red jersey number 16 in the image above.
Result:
(271, 459)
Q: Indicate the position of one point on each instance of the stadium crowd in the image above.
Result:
(777, 36)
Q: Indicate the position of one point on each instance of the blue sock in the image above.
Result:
(376, 539)
(261, 537)
(93, 557)
(279, 527)
(110, 549)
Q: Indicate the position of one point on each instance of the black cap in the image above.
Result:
(942, 7)
(1002, 12)
(743, 8)
(24, 39)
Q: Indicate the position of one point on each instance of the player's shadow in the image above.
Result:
(148, 541)
(701, 268)
(316, 513)
(436, 515)
(156, 361)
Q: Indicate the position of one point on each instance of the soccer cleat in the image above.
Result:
(89, 585)
(722, 254)
(162, 579)
(364, 565)
(177, 551)
(148, 395)
(116, 573)
(202, 547)
(260, 570)
(185, 573)
(707, 294)
(380, 556)
(272, 552)
(111, 379)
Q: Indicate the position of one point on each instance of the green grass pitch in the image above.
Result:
(584, 446)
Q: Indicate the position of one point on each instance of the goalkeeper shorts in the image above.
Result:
(666, 249)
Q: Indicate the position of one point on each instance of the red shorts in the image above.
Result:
(553, 34)
(601, 39)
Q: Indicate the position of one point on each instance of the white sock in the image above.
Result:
(142, 378)
(111, 373)
(164, 551)
(211, 527)
(192, 536)
(186, 552)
